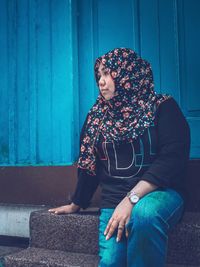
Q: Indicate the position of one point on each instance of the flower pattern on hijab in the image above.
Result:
(129, 113)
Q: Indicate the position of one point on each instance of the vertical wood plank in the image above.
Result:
(12, 78)
(191, 54)
(22, 89)
(4, 94)
(168, 46)
(149, 36)
(32, 79)
(64, 80)
(44, 71)
(87, 51)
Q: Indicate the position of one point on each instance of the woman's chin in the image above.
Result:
(107, 97)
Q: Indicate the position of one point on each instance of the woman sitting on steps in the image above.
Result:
(135, 145)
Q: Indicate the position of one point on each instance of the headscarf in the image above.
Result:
(129, 113)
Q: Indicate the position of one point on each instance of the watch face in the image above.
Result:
(134, 198)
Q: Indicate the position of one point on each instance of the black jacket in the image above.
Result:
(159, 156)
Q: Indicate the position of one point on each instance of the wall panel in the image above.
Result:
(166, 33)
(189, 34)
(39, 82)
(4, 132)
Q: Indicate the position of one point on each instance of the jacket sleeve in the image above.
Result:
(85, 188)
(173, 146)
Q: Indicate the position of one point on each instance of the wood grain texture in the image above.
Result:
(48, 49)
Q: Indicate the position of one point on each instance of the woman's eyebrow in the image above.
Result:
(100, 70)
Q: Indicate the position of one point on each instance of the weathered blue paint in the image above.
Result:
(102, 26)
(4, 118)
(189, 43)
(48, 48)
(166, 33)
(39, 96)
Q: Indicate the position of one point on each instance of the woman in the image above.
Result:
(135, 144)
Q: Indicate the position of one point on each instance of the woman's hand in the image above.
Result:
(71, 208)
(119, 219)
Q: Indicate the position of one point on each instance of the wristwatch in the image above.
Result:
(133, 197)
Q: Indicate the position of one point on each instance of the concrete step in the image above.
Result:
(78, 233)
(38, 257)
(72, 232)
(34, 257)
(184, 241)
(6, 250)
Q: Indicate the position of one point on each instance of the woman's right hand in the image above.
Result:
(71, 208)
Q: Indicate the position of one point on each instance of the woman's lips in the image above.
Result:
(104, 90)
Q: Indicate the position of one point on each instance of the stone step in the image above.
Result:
(6, 250)
(184, 241)
(72, 232)
(78, 233)
(34, 257)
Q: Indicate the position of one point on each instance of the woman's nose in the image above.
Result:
(102, 82)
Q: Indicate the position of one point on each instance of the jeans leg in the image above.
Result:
(152, 218)
(111, 253)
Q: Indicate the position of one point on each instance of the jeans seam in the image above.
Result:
(174, 212)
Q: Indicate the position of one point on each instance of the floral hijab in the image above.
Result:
(129, 113)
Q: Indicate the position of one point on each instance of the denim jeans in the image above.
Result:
(146, 246)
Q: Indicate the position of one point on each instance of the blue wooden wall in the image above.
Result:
(48, 48)
(38, 97)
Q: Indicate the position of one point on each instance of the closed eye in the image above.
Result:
(103, 72)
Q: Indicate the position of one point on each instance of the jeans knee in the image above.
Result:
(145, 219)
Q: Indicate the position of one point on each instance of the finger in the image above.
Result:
(120, 232)
(51, 210)
(126, 227)
(112, 229)
(108, 226)
(57, 210)
(126, 233)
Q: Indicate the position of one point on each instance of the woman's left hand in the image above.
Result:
(119, 219)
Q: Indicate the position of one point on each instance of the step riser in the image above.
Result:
(15, 219)
(72, 233)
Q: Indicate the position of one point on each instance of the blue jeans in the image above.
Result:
(146, 246)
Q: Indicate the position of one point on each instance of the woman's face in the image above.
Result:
(106, 83)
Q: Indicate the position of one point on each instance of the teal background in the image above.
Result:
(48, 48)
